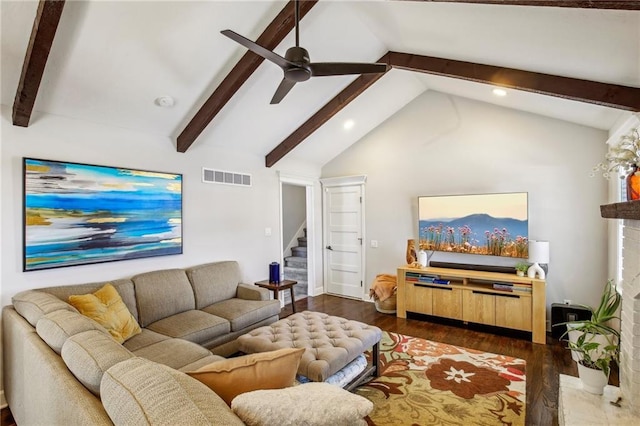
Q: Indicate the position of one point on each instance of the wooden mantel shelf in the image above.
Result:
(626, 210)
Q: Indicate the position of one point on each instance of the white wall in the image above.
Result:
(294, 212)
(440, 144)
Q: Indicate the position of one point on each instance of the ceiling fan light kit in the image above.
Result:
(296, 64)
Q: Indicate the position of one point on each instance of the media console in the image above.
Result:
(490, 298)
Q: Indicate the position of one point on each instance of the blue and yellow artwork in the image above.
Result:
(76, 214)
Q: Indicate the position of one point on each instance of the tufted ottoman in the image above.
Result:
(331, 343)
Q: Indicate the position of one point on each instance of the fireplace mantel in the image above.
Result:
(626, 210)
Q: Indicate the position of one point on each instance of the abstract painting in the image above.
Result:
(77, 214)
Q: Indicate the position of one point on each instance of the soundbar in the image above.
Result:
(468, 267)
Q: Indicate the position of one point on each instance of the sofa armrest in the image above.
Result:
(252, 292)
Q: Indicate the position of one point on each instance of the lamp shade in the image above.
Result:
(538, 251)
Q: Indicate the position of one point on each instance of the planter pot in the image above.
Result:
(603, 340)
(593, 381)
(520, 273)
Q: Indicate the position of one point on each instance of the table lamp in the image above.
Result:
(538, 253)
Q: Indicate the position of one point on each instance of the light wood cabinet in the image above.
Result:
(470, 296)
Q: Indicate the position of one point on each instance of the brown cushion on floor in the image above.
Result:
(243, 313)
(194, 326)
(331, 342)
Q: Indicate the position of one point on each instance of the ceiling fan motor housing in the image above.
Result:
(300, 57)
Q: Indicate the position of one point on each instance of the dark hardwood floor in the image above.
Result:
(544, 362)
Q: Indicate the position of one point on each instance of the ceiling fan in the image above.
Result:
(297, 66)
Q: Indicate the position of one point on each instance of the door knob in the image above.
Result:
(329, 248)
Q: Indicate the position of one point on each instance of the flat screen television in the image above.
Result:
(483, 224)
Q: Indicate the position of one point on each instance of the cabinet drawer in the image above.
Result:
(479, 307)
(447, 302)
(418, 299)
(513, 311)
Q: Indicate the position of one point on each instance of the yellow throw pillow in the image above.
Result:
(267, 370)
(106, 307)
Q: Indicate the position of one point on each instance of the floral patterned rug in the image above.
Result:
(430, 383)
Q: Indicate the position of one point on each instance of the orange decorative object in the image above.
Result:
(633, 185)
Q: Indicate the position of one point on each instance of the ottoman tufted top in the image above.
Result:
(331, 342)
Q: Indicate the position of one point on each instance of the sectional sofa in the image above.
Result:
(61, 367)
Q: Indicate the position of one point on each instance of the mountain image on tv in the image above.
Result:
(475, 233)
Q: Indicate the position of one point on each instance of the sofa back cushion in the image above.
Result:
(214, 282)
(105, 306)
(56, 327)
(33, 305)
(141, 392)
(124, 287)
(161, 294)
(89, 354)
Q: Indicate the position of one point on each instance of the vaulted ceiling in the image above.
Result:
(109, 61)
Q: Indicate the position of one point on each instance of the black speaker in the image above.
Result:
(468, 267)
(561, 312)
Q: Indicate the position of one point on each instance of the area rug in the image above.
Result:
(430, 383)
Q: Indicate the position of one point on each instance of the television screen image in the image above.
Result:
(484, 224)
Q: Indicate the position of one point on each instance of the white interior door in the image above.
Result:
(343, 240)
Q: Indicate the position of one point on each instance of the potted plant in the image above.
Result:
(596, 358)
(594, 342)
(521, 268)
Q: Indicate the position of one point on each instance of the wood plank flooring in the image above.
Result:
(544, 362)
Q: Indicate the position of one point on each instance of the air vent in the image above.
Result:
(225, 177)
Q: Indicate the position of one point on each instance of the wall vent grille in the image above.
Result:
(225, 177)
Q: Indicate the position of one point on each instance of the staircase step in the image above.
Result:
(296, 274)
(295, 262)
(299, 251)
(302, 241)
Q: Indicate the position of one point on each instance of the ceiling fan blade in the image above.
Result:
(320, 69)
(257, 49)
(285, 86)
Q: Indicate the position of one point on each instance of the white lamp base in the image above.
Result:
(535, 268)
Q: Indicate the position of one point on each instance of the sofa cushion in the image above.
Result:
(33, 305)
(174, 353)
(266, 370)
(140, 392)
(56, 327)
(194, 326)
(106, 307)
(243, 313)
(316, 404)
(89, 354)
(144, 339)
(214, 282)
(123, 286)
(161, 294)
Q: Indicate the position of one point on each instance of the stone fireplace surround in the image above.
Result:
(577, 407)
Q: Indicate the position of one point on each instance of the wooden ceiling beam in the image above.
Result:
(341, 100)
(610, 95)
(43, 32)
(270, 38)
(581, 4)
(604, 94)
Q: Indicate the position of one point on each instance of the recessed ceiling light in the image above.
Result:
(348, 124)
(164, 101)
(500, 92)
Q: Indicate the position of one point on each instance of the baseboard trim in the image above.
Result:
(3, 402)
